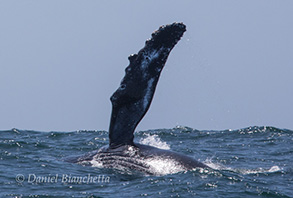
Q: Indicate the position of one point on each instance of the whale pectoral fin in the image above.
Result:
(132, 99)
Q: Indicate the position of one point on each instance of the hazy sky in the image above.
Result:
(61, 60)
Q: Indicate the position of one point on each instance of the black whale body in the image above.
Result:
(130, 103)
(140, 158)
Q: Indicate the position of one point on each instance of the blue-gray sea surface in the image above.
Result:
(249, 162)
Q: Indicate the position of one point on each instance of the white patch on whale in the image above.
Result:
(149, 56)
(96, 163)
(148, 93)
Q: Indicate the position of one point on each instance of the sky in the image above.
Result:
(60, 61)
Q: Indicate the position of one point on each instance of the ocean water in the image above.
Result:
(249, 162)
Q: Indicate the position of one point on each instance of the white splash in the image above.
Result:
(163, 166)
(274, 169)
(261, 170)
(155, 141)
(218, 166)
(215, 166)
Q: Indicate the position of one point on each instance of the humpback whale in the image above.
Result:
(130, 102)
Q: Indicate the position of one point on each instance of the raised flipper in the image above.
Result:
(132, 99)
